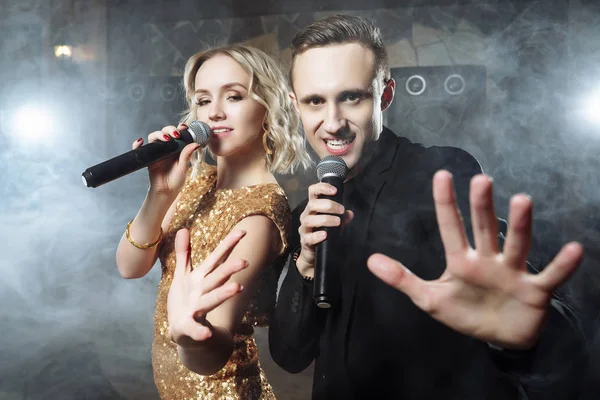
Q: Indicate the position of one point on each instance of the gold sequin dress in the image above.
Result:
(210, 214)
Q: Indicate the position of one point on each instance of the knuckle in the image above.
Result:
(307, 240)
(229, 269)
(302, 240)
(302, 218)
(428, 305)
(305, 224)
(310, 207)
(335, 208)
(313, 222)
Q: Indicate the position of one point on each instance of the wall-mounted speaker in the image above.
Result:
(435, 104)
(138, 106)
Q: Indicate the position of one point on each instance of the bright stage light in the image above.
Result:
(63, 51)
(590, 109)
(33, 124)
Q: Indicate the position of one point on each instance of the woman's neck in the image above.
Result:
(244, 169)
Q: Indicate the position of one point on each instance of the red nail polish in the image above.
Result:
(184, 125)
(176, 134)
(167, 137)
(139, 140)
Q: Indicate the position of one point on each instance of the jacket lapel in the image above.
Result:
(366, 190)
(372, 181)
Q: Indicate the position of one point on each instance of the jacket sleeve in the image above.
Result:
(296, 322)
(552, 369)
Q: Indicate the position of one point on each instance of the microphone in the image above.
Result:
(331, 170)
(139, 158)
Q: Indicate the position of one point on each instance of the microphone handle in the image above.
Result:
(326, 277)
(134, 160)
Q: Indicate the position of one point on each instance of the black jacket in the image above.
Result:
(374, 343)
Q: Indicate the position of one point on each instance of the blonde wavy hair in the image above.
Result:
(268, 86)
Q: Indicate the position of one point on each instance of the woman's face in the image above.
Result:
(236, 119)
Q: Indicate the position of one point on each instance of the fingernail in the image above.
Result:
(176, 134)
(332, 190)
(241, 288)
(184, 125)
(167, 137)
(139, 140)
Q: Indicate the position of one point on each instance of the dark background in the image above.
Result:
(71, 328)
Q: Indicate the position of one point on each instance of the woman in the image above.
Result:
(224, 227)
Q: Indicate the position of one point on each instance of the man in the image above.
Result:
(451, 321)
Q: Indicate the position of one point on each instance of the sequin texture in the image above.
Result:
(210, 214)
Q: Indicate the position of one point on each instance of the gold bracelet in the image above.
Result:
(145, 245)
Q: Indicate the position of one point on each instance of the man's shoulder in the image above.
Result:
(450, 156)
(433, 158)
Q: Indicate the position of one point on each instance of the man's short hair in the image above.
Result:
(342, 29)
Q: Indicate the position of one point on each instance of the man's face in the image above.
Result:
(339, 100)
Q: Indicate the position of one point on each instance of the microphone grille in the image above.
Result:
(332, 165)
(201, 132)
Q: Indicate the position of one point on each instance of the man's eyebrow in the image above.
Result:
(308, 97)
(364, 92)
(345, 92)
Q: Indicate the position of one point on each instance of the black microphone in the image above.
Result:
(331, 170)
(139, 158)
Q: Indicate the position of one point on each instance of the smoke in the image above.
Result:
(61, 293)
(73, 328)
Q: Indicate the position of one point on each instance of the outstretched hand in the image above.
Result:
(196, 291)
(484, 292)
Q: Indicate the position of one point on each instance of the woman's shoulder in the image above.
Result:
(265, 198)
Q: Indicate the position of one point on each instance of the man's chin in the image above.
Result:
(348, 157)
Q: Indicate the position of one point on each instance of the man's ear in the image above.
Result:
(294, 101)
(388, 94)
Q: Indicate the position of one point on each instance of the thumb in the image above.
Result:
(399, 277)
(186, 154)
(182, 253)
